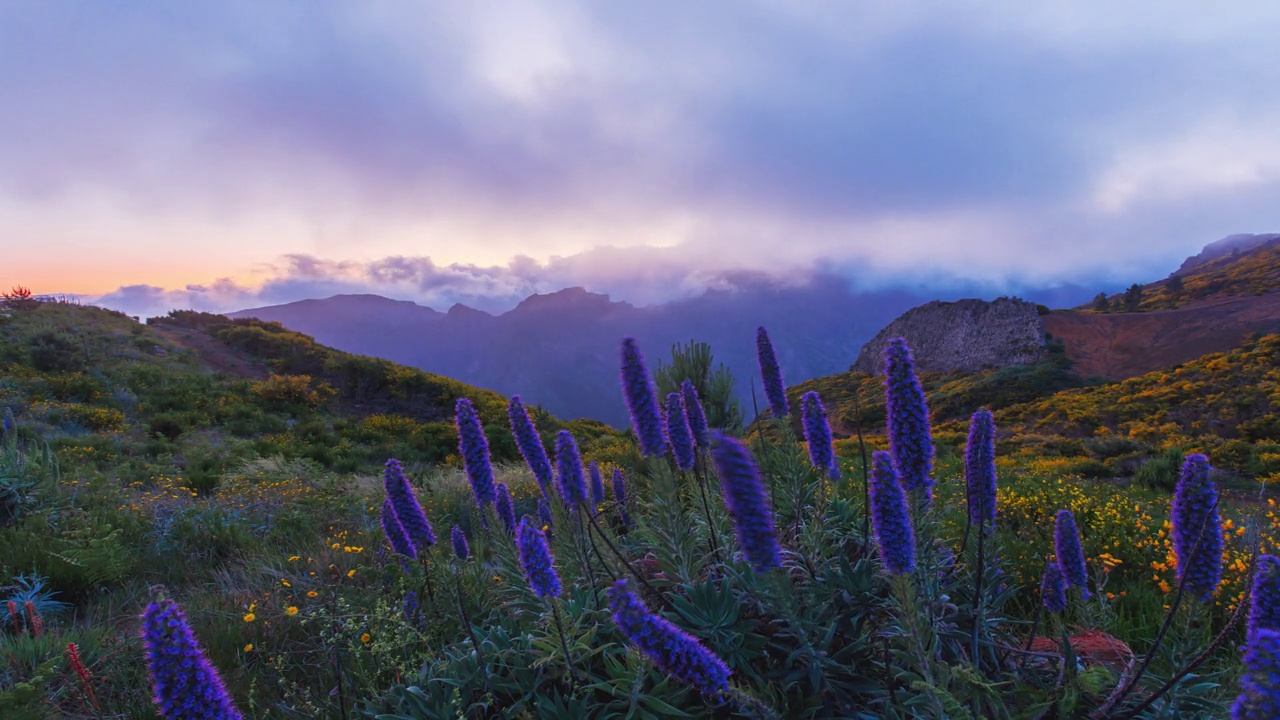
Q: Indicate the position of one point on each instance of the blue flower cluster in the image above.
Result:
(817, 433)
(503, 506)
(529, 442)
(771, 375)
(461, 549)
(186, 685)
(748, 503)
(642, 402)
(474, 447)
(694, 414)
(407, 510)
(535, 559)
(980, 469)
(1053, 588)
(395, 533)
(679, 435)
(1069, 551)
(1197, 534)
(573, 481)
(673, 651)
(1260, 686)
(889, 517)
(1264, 613)
(910, 436)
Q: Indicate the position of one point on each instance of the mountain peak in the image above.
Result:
(568, 298)
(1229, 245)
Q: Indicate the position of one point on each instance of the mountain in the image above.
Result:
(559, 349)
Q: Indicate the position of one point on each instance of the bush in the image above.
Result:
(1161, 472)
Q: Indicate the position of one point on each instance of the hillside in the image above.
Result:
(196, 392)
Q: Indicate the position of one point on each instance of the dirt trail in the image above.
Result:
(1124, 345)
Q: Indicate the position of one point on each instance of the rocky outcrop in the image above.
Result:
(966, 335)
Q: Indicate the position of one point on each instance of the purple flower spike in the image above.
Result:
(673, 651)
(535, 559)
(771, 375)
(620, 496)
(1260, 687)
(1264, 613)
(573, 481)
(817, 433)
(910, 436)
(502, 505)
(544, 513)
(460, 547)
(748, 503)
(980, 469)
(1070, 552)
(474, 447)
(597, 483)
(679, 435)
(889, 517)
(406, 506)
(529, 442)
(1197, 534)
(642, 401)
(396, 536)
(694, 415)
(186, 685)
(1053, 588)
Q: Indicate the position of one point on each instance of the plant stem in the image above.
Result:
(564, 646)
(639, 578)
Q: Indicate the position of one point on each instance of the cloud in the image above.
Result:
(652, 149)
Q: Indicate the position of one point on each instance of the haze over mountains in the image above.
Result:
(559, 350)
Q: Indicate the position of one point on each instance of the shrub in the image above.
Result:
(1161, 471)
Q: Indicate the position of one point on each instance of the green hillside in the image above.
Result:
(196, 393)
(1255, 272)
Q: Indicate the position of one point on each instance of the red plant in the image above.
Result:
(15, 617)
(34, 621)
(86, 680)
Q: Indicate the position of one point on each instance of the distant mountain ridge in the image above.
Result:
(559, 350)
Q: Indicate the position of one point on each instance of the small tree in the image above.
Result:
(1174, 286)
(1133, 297)
(693, 361)
(19, 298)
(1100, 302)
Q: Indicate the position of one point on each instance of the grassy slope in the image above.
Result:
(1256, 272)
(196, 392)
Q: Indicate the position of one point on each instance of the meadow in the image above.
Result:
(919, 572)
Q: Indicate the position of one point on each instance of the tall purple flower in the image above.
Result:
(771, 375)
(679, 435)
(460, 547)
(1197, 535)
(817, 433)
(186, 686)
(642, 401)
(1053, 588)
(980, 469)
(597, 483)
(535, 559)
(694, 415)
(910, 436)
(395, 533)
(544, 513)
(620, 496)
(1069, 551)
(1259, 697)
(474, 447)
(673, 651)
(573, 481)
(406, 506)
(529, 442)
(889, 517)
(1264, 613)
(502, 504)
(748, 503)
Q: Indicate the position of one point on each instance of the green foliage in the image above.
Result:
(1161, 472)
(714, 383)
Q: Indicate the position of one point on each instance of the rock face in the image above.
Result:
(966, 335)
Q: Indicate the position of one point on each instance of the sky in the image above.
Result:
(240, 153)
